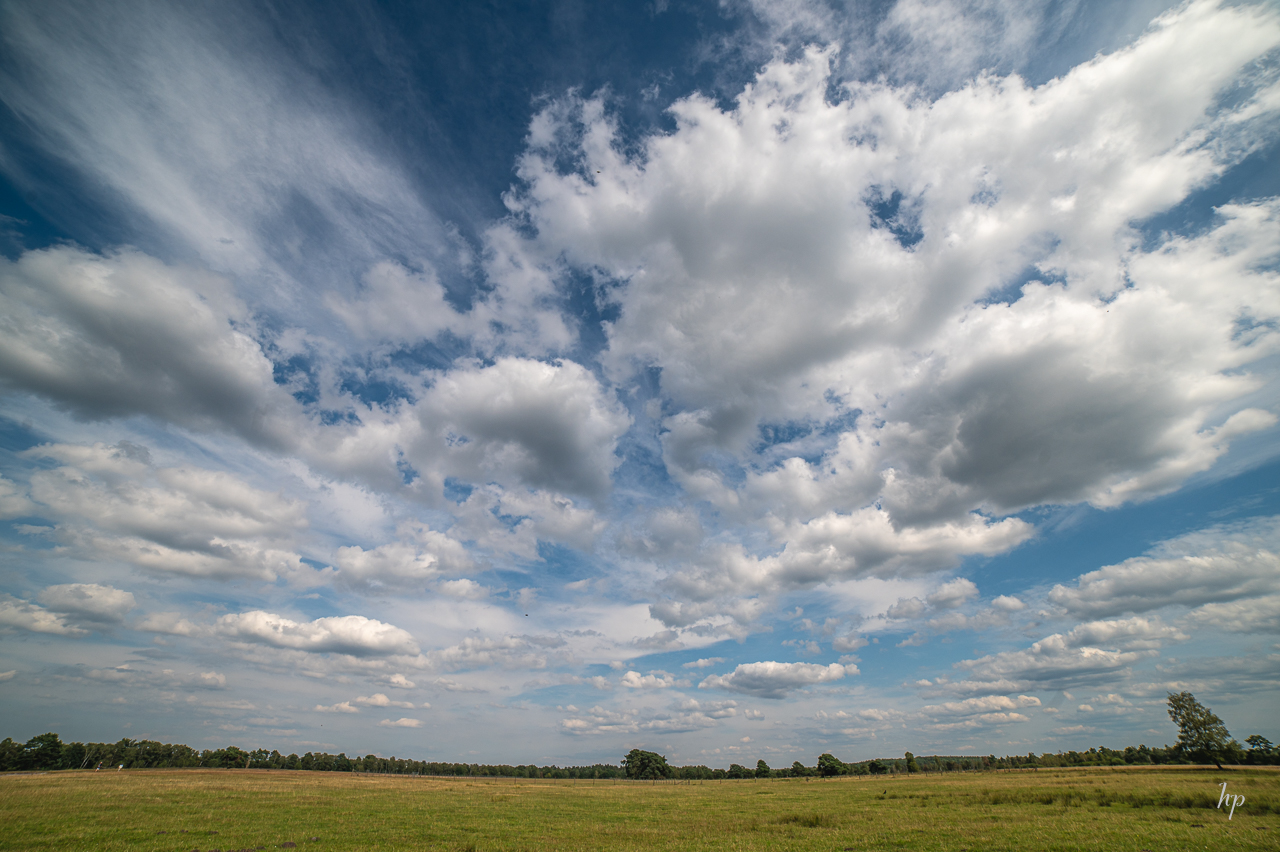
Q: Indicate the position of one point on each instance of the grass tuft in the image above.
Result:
(807, 820)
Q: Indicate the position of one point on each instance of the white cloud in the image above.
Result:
(172, 623)
(980, 705)
(15, 612)
(212, 680)
(88, 601)
(13, 501)
(465, 589)
(218, 148)
(402, 722)
(405, 565)
(906, 608)
(1258, 615)
(346, 634)
(775, 680)
(1128, 634)
(953, 594)
(379, 699)
(652, 680)
(889, 222)
(400, 681)
(397, 305)
(850, 642)
(1008, 603)
(1220, 564)
(1095, 652)
(123, 334)
(340, 707)
(9, 675)
(114, 504)
(450, 685)
(704, 663)
(547, 425)
(682, 716)
(479, 652)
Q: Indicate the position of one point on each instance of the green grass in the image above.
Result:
(1067, 809)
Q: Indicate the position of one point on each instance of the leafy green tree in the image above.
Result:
(875, 767)
(1202, 736)
(73, 756)
(762, 769)
(645, 765)
(1261, 750)
(799, 770)
(911, 763)
(42, 752)
(10, 755)
(829, 765)
(737, 770)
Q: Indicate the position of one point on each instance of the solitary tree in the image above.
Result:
(762, 769)
(799, 770)
(1202, 736)
(645, 765)
(911, 763)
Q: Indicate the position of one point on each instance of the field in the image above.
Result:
(180, 810)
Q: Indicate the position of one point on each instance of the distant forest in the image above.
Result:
(48, 752)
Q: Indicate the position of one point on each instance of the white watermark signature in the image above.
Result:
(1230, 799)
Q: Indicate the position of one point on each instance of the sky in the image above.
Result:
(526, 382)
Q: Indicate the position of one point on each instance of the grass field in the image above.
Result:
(1106, 809)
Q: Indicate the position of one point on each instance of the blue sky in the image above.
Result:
(532, 382)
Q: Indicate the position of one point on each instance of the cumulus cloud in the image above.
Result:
(1258, 615)
(397, 305)
(906, 608)
(25, 615)
(88, 601)
(122, 334)
(652, 680)
(340, 707)
(345, 634)
(409, 564)
(775, 680)
(112, 502)
(402, 722)
(544, 424)
(850, 642)
(1095, 652)
(953, 594)
(379, 699)
(984, 704)
(682, 716)
(172, 623)
(507, 652)
(1216, 565)
(465, 589)
(935, 273)
(13, 501)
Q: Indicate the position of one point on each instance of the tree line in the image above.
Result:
(1202, 738)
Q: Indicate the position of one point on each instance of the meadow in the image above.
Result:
(177, 810)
